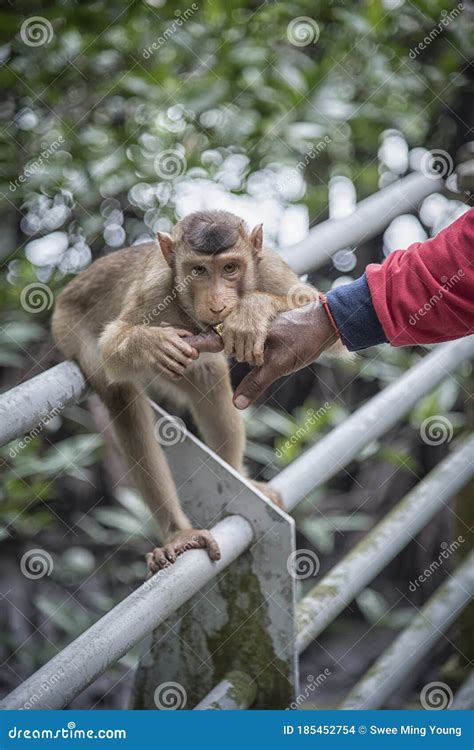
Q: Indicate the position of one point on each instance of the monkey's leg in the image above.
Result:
(220, 424)
(132, 420)
(209, 393)
(134, 425)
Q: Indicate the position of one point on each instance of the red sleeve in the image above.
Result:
(425, 294)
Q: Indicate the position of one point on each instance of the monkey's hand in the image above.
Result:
(245, 328)
(129, 351)
(178, 543)
(168, 352)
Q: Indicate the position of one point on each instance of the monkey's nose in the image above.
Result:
(216, 312)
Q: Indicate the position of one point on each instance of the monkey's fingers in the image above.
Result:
(197, 539)
(209, 341)
(210, 543)
(170, 367)
(156, 560)
(258, 350)
(230, 342)
(176, 353)
(239, 346)
(181, 342)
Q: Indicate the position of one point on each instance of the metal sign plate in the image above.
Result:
(245, 618)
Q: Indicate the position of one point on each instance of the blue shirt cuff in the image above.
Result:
(354, 314)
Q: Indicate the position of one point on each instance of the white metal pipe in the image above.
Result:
(236, 692)
(373, 419)
(464, 698)
(405, 653)
(371, 217)
(104, 643)
(339, 587)
(24, 407)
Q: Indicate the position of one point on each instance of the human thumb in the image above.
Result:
(209, 341)
(252, 386)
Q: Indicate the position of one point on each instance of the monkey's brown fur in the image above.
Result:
(125, 321)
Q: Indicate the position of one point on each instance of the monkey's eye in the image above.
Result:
(199, 270)
(230, 268)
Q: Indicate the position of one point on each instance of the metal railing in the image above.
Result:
(87, 657)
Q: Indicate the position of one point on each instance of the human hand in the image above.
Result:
(295, 339)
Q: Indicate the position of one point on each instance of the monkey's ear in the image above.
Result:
(167, 246)
(256, 238)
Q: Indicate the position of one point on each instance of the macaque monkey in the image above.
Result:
(127, 321)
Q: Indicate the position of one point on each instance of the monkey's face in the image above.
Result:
(216, 283)
(214, 261)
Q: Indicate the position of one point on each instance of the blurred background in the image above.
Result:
(119, 118)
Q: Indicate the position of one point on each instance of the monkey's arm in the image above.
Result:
(278, 290)
(133, 349)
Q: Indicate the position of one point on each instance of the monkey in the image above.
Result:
(127, 320)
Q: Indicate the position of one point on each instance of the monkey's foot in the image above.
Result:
(270, 492)
(180, 542)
